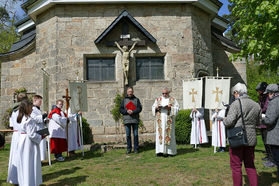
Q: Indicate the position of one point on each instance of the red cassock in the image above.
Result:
(57, 145)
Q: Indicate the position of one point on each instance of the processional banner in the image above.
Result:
(217, 92)
(192, 93)
(45, 91)
(78, 93)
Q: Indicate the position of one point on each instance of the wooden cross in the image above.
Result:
(217, 94)
(67, 98)
(192, 93)
(125, 38)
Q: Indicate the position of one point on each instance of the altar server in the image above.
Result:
(218, 130)
(198, 131)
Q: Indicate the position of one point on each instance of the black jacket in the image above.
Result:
(133, 118)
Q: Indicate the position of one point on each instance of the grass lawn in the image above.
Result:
(190, 167)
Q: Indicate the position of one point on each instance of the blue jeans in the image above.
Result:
(128, 136)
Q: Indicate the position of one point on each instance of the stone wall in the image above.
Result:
(65, 38)
(235, 69)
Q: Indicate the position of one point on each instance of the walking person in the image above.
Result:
(271, 120)
(251, 111)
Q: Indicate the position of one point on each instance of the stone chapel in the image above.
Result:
(175, 39)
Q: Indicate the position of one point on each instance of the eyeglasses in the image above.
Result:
(165, 93)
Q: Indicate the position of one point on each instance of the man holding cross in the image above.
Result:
(57, 129)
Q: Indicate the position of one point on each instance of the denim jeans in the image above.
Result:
(128, 136)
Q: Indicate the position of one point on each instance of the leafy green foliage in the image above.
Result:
(255, 28)
(6, 118)
(257, 74)
(115, 110)
(87, 133)
(183, 126)
(20, 90)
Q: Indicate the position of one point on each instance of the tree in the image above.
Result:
(254, 25)
(8, 17)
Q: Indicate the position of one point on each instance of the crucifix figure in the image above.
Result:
(125, 59)
(217, 93)
(192, 93)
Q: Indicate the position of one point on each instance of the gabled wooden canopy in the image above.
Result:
(122, 16)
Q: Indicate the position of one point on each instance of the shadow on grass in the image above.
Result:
(70, 181)
(53, 175)
(264, 178)
(186, 151)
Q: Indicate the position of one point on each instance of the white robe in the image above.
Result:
(73, 132)
(12, 168)
(37, 116)
(29, 161)
(161, 146)
(57, 126)
(218, 129)
(198, 131)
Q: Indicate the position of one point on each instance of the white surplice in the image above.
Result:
(29, 161)
(57, 126)
(162, 143)
(37, 116)
(218, 129)
(73, 132)
(12, 168)
(198, 131)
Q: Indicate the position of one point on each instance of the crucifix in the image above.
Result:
(192, 93)
(67, 98)
(217, 93)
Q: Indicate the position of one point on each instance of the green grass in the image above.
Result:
(190, 167)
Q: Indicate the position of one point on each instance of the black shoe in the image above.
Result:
(159, 154)
(136, 151)
(128, 152)
(166, 155)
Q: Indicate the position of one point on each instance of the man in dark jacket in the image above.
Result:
(271, 120)
(130, 108)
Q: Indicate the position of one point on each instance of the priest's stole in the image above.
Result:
(217, 92)
(192, 93)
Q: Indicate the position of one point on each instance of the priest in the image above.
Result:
(39, 117)
(165, 108)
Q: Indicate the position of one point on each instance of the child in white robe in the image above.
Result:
(198, 131)
(29, 161)
(218, 130)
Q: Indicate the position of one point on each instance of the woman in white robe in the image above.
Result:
(39, 119)
(218, 130)
(12, 168)
(29, 161)
(73, 132)
(198, 131)
(165, 123)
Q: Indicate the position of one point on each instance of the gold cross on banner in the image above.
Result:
(217, 93)
(192, 93)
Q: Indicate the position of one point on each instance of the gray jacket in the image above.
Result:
(133, 118)
(272, 122)
(251, 114)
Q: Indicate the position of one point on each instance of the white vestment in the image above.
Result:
(37, 116)
(12, 169)
(198, 131)
(29, 161)
(218, 129)
(57, 126)
(73, 132)
(165, 127)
